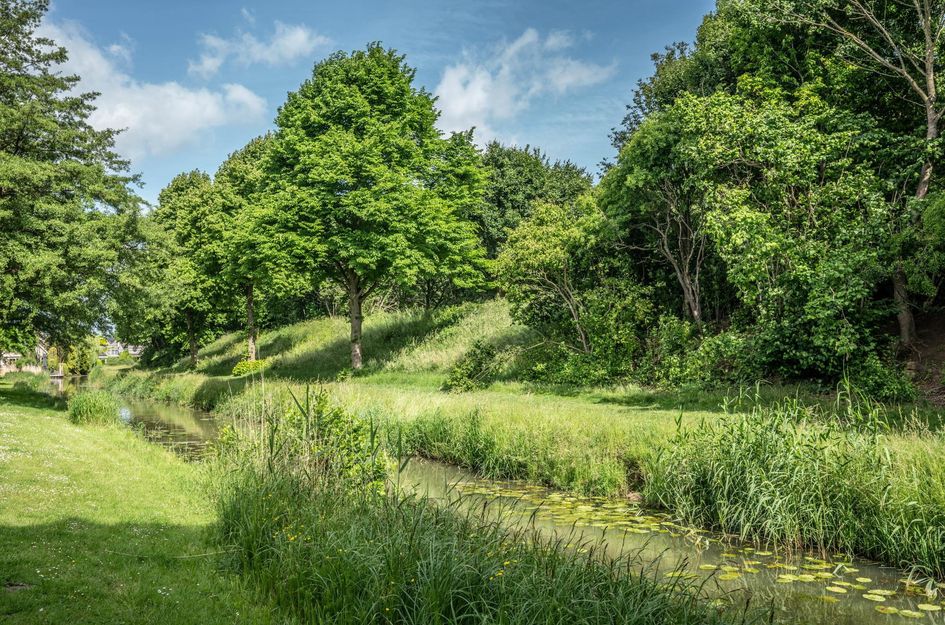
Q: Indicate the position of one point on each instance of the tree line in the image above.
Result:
(773, 209)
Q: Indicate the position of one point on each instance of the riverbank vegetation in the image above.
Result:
(306, 515)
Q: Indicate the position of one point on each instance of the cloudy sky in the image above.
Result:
(193, 81)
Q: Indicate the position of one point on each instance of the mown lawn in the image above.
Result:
(98, 526)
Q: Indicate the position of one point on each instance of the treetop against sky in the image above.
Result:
(193, 82)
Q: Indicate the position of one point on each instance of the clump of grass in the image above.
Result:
(93, 406)
(785, 474)
(303, 517)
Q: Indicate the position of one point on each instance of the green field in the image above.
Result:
(98, 526)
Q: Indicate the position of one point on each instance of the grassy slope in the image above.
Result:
(580, 439)
(102, 527)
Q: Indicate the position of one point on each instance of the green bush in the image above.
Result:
(475, 370)
(791, 476)
(247, 367)
(326, 544)
(94, 406)
(125, 358)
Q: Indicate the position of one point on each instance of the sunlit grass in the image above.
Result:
(98, 526)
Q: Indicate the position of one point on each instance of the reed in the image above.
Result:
(328, 543)
(788, 475)
(93, 406)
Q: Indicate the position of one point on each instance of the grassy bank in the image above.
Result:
(612, 441)
(97, 526)
(306, 517)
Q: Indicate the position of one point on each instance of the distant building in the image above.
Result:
(114, 349)
(8, 362)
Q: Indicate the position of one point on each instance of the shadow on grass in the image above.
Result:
(76, 571)
(27, 398)
(382, 342)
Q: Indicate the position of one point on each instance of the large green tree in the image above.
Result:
(518, 177)
(354, 159)
(260, 256)
(66, 206)
(901, 44)
(198, 293)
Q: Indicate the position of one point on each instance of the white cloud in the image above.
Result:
(158, 117)
(288, 43)
(248, 15)
(482, 91)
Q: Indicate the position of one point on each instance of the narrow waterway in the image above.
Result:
(800, 588)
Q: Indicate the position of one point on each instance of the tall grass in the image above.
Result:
(784, 474)
(562, 442)
(305, 519)
(93, 406)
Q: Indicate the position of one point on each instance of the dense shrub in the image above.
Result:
(678, 356)
(94, 406)
(475, 370)
(793, 477)
(247, 367)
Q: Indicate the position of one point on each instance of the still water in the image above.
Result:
(812, 588)
(186, 431)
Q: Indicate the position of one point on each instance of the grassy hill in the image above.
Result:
(418, 343)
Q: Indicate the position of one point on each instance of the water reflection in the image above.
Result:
(185, 431)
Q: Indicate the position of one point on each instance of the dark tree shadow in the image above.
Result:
(382, 343)
(18, 396)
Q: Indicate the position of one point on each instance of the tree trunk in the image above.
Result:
(904, 315)
(357, 318)
(251, 330)
(192, 339)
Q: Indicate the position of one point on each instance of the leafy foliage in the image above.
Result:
(66, 208)
(356, 161)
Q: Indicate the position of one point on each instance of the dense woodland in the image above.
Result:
(772, 210)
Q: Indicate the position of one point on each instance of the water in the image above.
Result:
(799, 588)
(186, 431)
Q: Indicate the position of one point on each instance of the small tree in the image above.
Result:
(655, 196)
(195, 285)
(355, 159)
(543, 261)
(257, 254)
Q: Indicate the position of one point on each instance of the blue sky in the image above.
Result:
(193, 81)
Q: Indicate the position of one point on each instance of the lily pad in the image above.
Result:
(877, 598)
(929, 607)
(836, 589)
(887, 609)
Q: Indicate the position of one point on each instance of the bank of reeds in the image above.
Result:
(93, 406)
(306, 518)
(791, 476)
